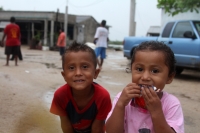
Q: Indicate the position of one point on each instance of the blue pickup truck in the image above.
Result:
(182, 36)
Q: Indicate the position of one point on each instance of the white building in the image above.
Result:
(165, 17)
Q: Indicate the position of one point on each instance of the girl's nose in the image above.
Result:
(146, 75)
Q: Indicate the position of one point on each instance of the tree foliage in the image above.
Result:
(174, 7)
(1, 8)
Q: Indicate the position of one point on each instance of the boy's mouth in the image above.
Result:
(79, 81)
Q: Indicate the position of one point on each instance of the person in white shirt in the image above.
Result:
(101, 39)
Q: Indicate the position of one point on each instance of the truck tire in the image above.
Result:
(179, 70)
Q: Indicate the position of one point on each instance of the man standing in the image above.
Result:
(12, 34)
(61, 43)
(101, 39)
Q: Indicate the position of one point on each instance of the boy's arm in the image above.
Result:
(2, 42)
(108, 39)
(98, 126)
(66, 125)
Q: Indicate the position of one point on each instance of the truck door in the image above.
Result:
(186, 50)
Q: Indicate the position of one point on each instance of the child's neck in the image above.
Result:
(160, 94)
(82, 98)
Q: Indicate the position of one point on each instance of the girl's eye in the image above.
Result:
(155, 71)
(139, 69)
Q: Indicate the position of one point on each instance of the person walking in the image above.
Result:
(13, 36)
(61, 43)
(101, 39)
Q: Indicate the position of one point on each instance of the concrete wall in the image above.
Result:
(91, 25)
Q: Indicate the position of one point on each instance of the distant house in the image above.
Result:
(45, 26)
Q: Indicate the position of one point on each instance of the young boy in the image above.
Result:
(81, 104)
(140, 107)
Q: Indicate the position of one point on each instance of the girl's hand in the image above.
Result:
(132, 90)
(151, 99)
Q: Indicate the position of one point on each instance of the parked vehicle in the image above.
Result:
(90, 44)
(182, 36)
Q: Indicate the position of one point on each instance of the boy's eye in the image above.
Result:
(71, 68)
(155, 71)
(85, 66)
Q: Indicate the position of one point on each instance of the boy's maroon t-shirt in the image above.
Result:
(63, 104)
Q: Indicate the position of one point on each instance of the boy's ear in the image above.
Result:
(63, 74)
(170, 78)
(96, 73)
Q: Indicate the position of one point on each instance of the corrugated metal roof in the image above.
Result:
(81, 18)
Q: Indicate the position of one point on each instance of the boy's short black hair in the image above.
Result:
(76, 47)
(103, 22)
(62, 29)
(12, 19)
(157, 46)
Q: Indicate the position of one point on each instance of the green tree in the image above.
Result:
(1, 8)
(174, 7)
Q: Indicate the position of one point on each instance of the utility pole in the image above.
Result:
(66, 21)
(132, 23)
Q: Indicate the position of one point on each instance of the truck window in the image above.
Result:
(181, 28)
(167, 29)
(197, 26)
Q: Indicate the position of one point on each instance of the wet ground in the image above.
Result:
(26, 91)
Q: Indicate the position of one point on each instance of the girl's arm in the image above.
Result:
(154, 106)
(160, 124)
(115, 124)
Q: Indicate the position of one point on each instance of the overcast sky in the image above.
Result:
(115, 12)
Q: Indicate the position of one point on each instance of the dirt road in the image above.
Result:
(26, 90)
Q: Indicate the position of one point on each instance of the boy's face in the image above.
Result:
(79, 70)
(149, 68)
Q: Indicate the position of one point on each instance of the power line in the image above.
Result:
(94, 3)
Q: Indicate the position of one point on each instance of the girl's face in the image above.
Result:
(149, 68)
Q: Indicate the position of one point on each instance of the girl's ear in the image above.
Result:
(170, 78)
(96, 73)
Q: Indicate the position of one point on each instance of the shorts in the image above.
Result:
(100, 51)
(62, 50)
(14, 50)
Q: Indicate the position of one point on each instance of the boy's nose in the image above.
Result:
(78, 71)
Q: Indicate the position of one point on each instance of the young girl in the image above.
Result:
(143, 106)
